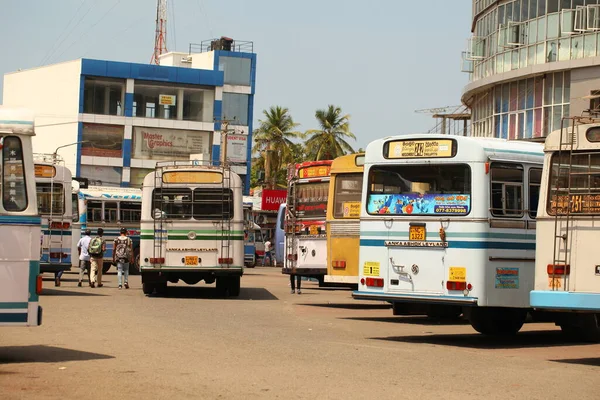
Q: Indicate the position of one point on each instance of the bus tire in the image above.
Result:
(161, 288)
(221, 286)
(586, 327)
(147, 288)
(106, 267)
(134, 269)
(233, 286)
(496, 321)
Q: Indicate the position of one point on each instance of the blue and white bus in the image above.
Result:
(110, 208)
(447, 226)
(20, 224)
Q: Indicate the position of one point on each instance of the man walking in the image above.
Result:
(96, 250)
(268, 253)
(84, 256)
(122, 256)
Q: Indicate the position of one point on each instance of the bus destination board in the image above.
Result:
(420, 149)
(192, 177)
(314, 172)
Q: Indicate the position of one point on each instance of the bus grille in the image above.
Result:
(344, 228)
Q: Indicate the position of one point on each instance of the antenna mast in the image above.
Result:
(160, 38)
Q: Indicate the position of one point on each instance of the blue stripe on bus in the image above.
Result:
(12, 306)
(556, 300)
(20, 220)
(460, 244)
(15, 122)
(530, 153)
(13, 317)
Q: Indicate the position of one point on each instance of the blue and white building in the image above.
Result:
(124, 117)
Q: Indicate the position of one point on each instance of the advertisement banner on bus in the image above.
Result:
(419, 204)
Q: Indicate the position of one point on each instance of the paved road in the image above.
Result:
(106, 343)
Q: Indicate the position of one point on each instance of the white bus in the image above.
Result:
(20, 224)
(53, 185)
(448, 226)
(567, 273)
(109, 208)
(192, 227)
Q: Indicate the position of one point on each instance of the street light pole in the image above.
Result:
(54, 162)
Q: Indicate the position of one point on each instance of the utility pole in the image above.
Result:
(224, 132)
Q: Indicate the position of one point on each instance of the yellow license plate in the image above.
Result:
(191, 260)
(457, 274)
(313, 230)
(416, 233)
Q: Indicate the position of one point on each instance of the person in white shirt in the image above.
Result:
(84, 256)
(268, 253)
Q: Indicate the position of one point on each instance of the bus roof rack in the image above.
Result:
(176, 164)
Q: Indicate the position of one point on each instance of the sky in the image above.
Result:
(378, 60)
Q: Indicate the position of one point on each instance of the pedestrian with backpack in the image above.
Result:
(123, 256)
(96, 251)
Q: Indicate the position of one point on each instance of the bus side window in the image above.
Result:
(75, 207)
(130, 211)
(507, 190)
(535, 180)
(94, 211)
(110, 212)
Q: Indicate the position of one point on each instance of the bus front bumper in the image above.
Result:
(414, 298)
(564, 301)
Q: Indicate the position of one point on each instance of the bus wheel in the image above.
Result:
(496, 321)
(586, 327)
(161, 288)
(233, 286)
(106, 267)
(134, 269)
(147, 288)
(221, 286)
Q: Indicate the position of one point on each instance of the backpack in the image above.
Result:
(95, 247)
(122, 249)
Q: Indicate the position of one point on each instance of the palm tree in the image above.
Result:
(329, 141)
(274, 138)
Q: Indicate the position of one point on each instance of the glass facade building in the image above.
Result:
(524, 58)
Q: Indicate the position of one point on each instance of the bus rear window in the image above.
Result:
(584, 184)
(348, 189)
(14, 189)
(201, 204)
(312, 199)
(213, 204)
(172, 203)
(419, 189)
(50, 198)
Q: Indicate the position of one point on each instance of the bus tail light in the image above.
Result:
(38, 284)
(375, 282)
(339, 264)
(558, 269)
(292, 257)
(157, 260)
(226, 261)
(455, 285)
(60, 225)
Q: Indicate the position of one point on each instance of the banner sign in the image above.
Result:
(272, 199)
(419, 204)
(102, 140)
(237, 148)
(168, 144)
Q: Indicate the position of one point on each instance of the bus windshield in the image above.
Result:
(50, 198)
(348, 189)
(312, 199)
(424, 189)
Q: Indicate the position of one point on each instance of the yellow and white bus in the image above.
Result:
(20, 223)
(567, 267)
(343, 220)
(192, 227)
(448, 222)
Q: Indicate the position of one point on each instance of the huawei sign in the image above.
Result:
(271, 199)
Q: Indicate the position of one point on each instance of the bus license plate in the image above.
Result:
(416, 233)
(313, 230)
(191, 260)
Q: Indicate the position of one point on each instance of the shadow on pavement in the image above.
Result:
(593, 362)
(414, 320)
(45, 354)
(83, 292)
(350, 306)
(182, 292)
(478, 341)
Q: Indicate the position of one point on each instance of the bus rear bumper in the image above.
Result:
(312, 272)
(44, 267)
(562, 301)
(414, 298)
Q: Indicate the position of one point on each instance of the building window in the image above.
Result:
(173, 102)
(198, 105)
(236, 70)
(235, 108)
(103, 96)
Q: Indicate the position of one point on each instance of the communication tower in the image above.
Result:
(160, 38)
